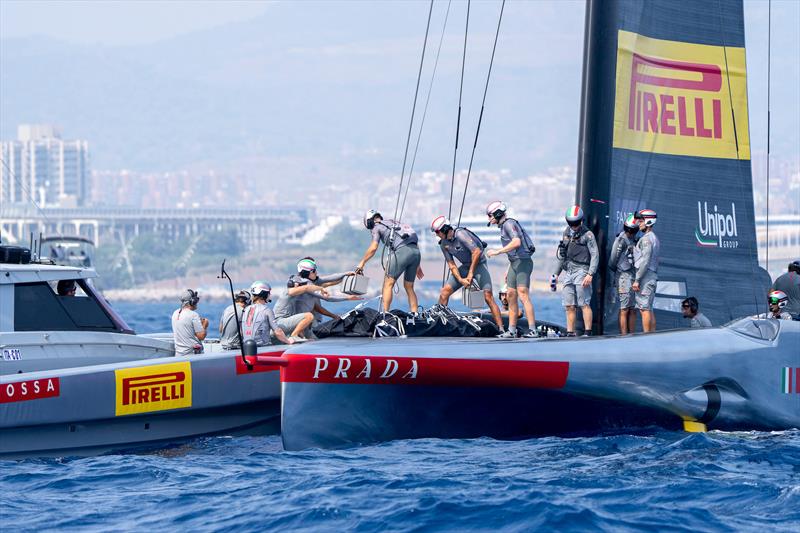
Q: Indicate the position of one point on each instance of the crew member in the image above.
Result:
(188, 329)
(307, 270)
(464, 245)
(789, 284)
(66, 287)
(690, 309)
(778, 300)
(621, 262)
(259, 321)
(578, 256)
(228, 326)
(404, 258)
(518, 246)
(646, 263)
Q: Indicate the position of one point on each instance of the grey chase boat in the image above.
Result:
(76, 380)
(663, 126)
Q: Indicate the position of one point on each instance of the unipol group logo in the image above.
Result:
(679, 98)
(153, 388)
(716, 228)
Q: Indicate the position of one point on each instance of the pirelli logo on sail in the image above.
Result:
(153, 388)
(680, 98)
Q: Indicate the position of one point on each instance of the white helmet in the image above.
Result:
(305, 266)
(778, 298)
(631, 222)
(260, 289)
(574, 214)
(648, 215)
(441, 223)
(496, 210)
(369, 217)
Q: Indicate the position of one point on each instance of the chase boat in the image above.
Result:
(76, 380)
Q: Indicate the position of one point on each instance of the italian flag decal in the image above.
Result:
(790, 378)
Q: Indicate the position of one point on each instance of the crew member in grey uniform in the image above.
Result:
(259, 322)
(228, 326)
(464, 245)
(690, 308)
(778, 300)
(518, 246)
(578, 256)
(646, 256)
(403, 257)
(789, 284)
(188, 329)
(307, 270)
(621, 263)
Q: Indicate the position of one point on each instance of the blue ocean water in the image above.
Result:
(645, 480)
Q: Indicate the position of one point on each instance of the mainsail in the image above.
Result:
(665, 126)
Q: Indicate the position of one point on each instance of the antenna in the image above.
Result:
(769, 91)
(224, 275)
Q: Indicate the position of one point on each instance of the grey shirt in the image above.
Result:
(699, 321)
(461, 246)
(646, 255)
(622, 252)
(258, 322)
(790, 284)
(594, 255)
(287, 305)
(402, 235)
(230, 333)
(511, 229)
(185, 327)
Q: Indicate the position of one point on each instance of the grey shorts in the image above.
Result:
(624, 290)
(481, 276)
(519, 273)
(404, 261)
(574, 293)
(647, 291)
(288, 323)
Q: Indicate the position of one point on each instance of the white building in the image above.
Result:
(41, 166)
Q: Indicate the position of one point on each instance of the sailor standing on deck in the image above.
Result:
(646, 262)
(404, 257)
(578, 256)
(228, 327)
(258, 321)
(188, 329)
(518, 245)
(621, 263)
(464, 245)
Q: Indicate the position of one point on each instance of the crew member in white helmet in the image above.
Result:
(518, 246)
(777, 304)
(403, 258)
(621, 263)
(188, 329)
(645, 257)
(259, 322)
(578, 257)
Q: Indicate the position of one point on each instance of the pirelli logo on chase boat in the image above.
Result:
(675, 98)
(153, 388)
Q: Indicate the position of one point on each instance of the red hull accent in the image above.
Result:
(259, 365)
(384, 370)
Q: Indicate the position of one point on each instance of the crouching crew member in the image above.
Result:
(646, 263)
(578, 256)
(518, 246)
(778, 300)
(259, 322)
(404, 257)
(621, 263)
(690, 308)
(464, 245)
(188, 329)
(228, 326)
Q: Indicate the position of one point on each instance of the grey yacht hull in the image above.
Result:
(337, 394)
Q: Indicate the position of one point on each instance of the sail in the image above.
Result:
(665, 126)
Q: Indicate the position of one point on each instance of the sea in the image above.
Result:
(643, 480)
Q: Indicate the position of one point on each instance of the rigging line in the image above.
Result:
(25, 189)
(769, 79)
(413, 109)
(458, 119)
(480, 117)
(424, 112)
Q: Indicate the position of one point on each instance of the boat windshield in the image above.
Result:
(39, 306)
(759, 328)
